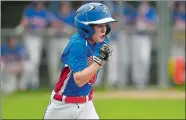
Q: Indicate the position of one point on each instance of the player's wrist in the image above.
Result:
(19, 29)
(99, 61)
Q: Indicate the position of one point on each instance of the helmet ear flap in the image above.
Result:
(108, 29)
(85, 30)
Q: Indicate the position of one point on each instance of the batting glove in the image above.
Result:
(104, 53)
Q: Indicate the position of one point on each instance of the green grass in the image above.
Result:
(118, 108)
(32, 105)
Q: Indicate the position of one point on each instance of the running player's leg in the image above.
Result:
(61, 110)
(88, 111)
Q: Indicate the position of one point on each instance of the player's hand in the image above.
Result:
(104, 53)
(19, 30)
(13, 70)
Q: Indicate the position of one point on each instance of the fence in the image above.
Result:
(123, 40)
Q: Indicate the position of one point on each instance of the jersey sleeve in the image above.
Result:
(77, 58)
(50, 17)
(151, 16)
(106, 40)
(27, 13)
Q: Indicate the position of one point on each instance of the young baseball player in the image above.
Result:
(33, 23)
(82, 58)
(14, 62)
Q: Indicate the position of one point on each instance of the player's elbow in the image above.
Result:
(78, 83)
(78, 80)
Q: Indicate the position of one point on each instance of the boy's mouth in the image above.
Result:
(102, 37)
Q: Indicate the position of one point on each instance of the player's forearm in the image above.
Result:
(24, 22)
(85, 75)
(21, 27)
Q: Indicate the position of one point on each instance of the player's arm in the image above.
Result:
(23, 23)
(83, 76)
(54, 26)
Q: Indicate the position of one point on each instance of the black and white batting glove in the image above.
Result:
(104, 53)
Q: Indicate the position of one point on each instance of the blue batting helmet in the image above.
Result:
(92, 13)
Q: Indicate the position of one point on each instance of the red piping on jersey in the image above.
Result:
(91, 94)
(62, 78)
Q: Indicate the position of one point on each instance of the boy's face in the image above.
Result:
(65, 8)
(182, 7)
(39, 5)
(100, 31)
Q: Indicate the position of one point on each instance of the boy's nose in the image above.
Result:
(104, 29)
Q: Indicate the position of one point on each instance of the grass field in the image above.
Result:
(32, 105)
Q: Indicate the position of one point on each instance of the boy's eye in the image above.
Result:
(101, 26)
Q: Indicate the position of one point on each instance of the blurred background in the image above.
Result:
(149, 53)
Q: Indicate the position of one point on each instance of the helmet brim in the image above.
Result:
(101, 21)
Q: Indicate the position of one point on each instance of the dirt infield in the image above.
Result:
(142, 94)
